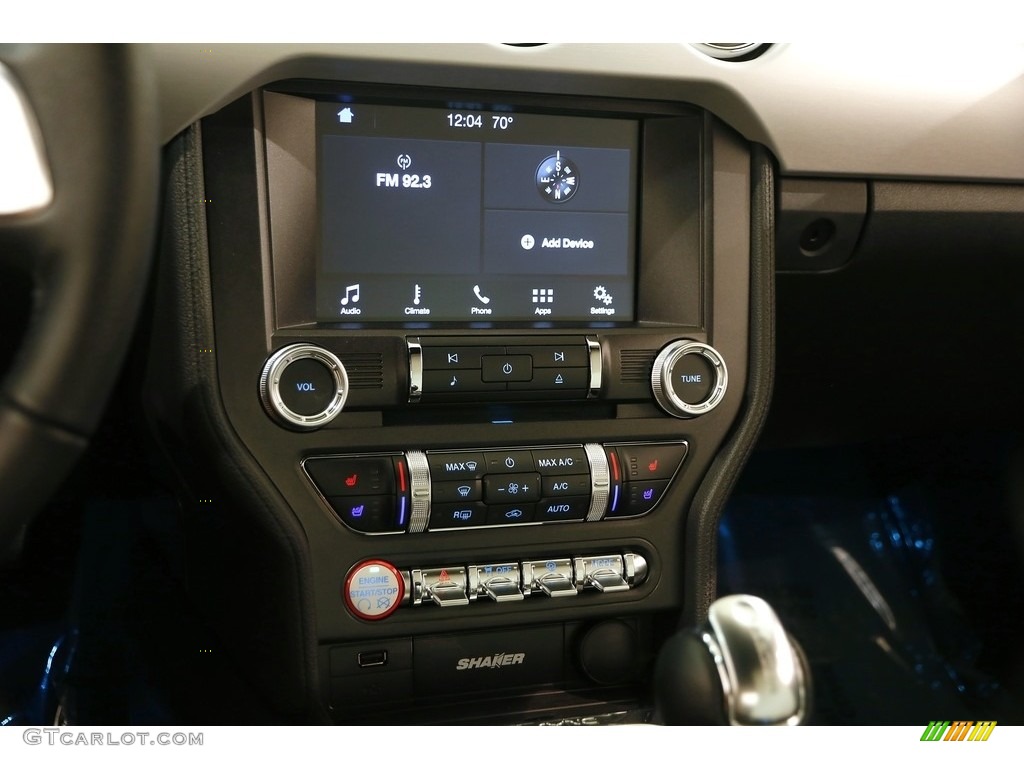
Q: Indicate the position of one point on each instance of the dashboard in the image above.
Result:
(490, 335)
(457, 351)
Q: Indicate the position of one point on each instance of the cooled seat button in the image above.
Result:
(367, 514)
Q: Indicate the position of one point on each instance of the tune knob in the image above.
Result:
(303, 386)
(688, 378)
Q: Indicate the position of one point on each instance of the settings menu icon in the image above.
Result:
(601, 294)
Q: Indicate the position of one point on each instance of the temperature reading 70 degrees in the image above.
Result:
(501, 122)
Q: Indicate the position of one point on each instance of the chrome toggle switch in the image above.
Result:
(552, 577)
(498, 581)
(445, 586)
(611, 573)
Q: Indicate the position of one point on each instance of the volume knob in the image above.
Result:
(303, 386)
(688, 378)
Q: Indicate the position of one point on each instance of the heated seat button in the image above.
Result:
(650, 462)
(353, 476)
(507, 368)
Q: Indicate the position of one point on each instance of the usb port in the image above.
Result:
(373, 658)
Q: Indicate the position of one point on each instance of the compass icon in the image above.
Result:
(557, 178)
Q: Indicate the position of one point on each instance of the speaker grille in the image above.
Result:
(365, 370)
(636, 364)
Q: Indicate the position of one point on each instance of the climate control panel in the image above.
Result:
(432, 491)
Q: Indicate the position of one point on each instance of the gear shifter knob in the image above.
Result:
(740, 668)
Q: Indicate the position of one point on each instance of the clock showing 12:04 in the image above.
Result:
(557, 178)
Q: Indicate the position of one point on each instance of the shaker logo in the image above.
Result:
(492, 662)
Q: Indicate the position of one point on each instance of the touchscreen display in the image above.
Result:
(473, 215)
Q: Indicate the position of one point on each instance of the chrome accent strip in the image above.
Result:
(419, 490)
(415, 370)
(270, 386)
(608, 576)
(596, 379)
(634, 569)
(25, 184)
(762, 676)
(600, 481)
(407, 598)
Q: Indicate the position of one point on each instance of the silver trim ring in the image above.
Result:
(270, 385)
(666, 396)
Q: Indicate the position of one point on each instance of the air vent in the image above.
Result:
(365, 370)
(635, 364)
(732, 51)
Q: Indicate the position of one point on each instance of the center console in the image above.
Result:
(481, 350)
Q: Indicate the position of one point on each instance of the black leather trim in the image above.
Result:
(714, 491)
(249, 565)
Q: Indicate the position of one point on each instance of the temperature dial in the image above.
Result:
(303, 386)
(688, 378)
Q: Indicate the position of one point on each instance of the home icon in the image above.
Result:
(345, 115)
